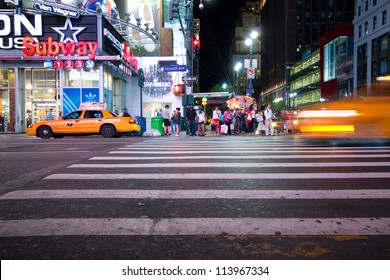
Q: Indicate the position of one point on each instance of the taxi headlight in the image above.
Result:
(132, 121)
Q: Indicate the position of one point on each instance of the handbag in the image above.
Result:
(224, 128)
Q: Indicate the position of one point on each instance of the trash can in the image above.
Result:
(157, 123)
(142, 123)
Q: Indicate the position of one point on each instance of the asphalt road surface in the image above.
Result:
(233, 197)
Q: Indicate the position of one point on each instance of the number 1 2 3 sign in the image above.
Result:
(79, 64)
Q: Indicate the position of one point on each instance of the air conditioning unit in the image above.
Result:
(11, 3)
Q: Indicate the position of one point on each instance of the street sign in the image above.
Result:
(189, 79)
(250, 73)
(188, 90)
(175, 68)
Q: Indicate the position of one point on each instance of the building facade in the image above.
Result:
(249, 20)
(371, 47)
(291, 29)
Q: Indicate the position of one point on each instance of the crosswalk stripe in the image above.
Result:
(215, 176)
(198, 194)
(233, 151)
(195, 226)
(231, 165)
(256, 147)
(240, 158)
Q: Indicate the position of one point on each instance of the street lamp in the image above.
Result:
(249, 42)
(224, 86)
(237, 68)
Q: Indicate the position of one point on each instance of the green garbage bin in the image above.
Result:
(157, 123)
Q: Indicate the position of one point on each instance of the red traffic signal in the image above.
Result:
(178, 89)
(195, 44)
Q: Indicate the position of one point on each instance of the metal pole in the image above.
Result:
(250, 66)
(237, 81)
(140, 98)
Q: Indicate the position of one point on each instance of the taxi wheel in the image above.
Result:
(108, 131)
(44, 132)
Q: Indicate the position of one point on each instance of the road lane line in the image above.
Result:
(233, 151)
(198, 194)
(240, 157)
(194, 226)
(231, 165)
(219, 176)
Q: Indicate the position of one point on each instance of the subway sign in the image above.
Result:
(38, 35)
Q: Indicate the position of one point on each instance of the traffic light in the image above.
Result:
(173, 9)
(141, 77)
(179, 89)
(195, 45)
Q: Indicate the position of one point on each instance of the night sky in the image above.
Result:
(217, 21)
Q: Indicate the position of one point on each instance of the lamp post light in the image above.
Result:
(249, 42)
(224, 86)
(237, 68)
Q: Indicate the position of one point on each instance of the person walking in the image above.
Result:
(177, 121)
(166, 120)
(216, 115)
(237, 122)
(191, 120)
(126, 113)
(250, 119)
(49, 115)
(269, 127)
(201, 121)
(227, 115)
(173, 121)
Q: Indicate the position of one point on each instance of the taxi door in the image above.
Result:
(70, 123)
(92, 121)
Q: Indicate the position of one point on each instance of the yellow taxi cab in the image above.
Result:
(363, 118)
(85, 122)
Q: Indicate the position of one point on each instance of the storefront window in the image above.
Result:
(7, 94)
(82, 79)
(41, 94)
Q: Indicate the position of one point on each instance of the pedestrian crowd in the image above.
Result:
(230, 122)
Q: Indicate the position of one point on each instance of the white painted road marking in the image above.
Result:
(231, 165)
(240, 157)
(233, 151)
(195, 226)
(198, 194)
(220, 176)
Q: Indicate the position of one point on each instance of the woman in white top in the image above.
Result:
(201, 121)
(216, 121)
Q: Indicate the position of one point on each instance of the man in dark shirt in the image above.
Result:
(191, 120)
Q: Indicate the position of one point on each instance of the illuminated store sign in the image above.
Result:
(124, 51)
(54, 48)
(20, 32)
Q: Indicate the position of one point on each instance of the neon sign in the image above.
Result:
(53, 48)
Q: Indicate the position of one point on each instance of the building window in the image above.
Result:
(383, 43)
(374, 23)
(384, 17)
(360, 31)
(359, 10)
(366, 5)
(383, 67)
(373, 2)
(366, 27)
